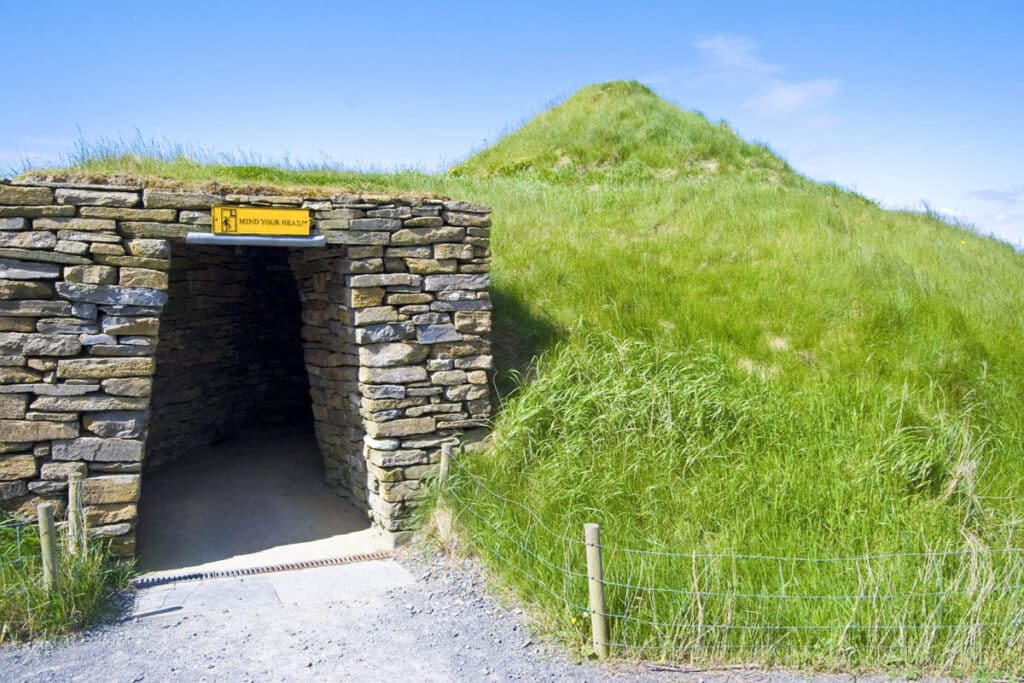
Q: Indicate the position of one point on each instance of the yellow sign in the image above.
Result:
(252, 220)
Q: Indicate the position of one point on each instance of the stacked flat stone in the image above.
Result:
(395, 327)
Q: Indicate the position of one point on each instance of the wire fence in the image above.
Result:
(945, 607)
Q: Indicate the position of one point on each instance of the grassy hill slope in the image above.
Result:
(736, 362)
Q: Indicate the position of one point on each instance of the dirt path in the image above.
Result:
(377, 621)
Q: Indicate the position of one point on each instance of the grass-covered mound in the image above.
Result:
(740, 361)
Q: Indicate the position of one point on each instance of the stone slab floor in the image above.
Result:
(255, 500)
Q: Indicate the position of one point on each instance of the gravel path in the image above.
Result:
(439, 624)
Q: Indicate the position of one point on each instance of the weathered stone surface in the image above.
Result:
(467, 220)
(149, 248)
(374, 315)
(9, 375)
(143, 277)
(110, 531)
(13, 406)
(102, 368)
(418, 425)
(114, 324)
(473, 322)
(10, 490)
(23, 212)
(80, 224)
(132, 386)
(112, 294)
(466, 392)
(424, 222)
(90, 402)
(17, 467)
(427, 235)
(20, 196)
(440, 283)
(91, 275)
(28, 240)
(389, 355)
(467, 207)
(98, 515)
(449, 377)
(384, 280)
(98, 249)
(112, 488)
(96, 198)
(166, 199)
(61, 389)
(35, 308)
(431, 266)
(399, 375)
(94, 339)
(74, 326)
(41, 256)
(477, 377)
(60, 471)
(39, 344)
(134, 262)
(436, 334)
(14, 269)
(196, 217)
(120, 424)
(92, 449)
(68, 247)
(13, 224)
(120, 214)
(24, 289)
(36, 430)
(47, 488)
(390, 332)
(153, 229)
(363, 297)
(357, 238)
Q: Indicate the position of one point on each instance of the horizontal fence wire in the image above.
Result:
(948, 591)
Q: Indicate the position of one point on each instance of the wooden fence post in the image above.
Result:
(595, 574)
(48, 546)
(446, 462)
(76, 517)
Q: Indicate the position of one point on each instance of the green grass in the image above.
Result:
(737, 361)
(28, 611)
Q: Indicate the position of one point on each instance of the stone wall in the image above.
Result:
(395, 326)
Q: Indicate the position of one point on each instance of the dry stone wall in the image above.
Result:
(395, 333)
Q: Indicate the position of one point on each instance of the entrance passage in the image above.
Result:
(232, 462)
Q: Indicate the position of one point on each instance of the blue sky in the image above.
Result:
(904, 102)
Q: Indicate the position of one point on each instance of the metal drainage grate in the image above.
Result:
(148, 581)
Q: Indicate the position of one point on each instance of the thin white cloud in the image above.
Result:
(726, 51)
(1011, 197)
(783, 97)
(736, 59)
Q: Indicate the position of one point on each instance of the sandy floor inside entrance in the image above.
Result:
(256, 500)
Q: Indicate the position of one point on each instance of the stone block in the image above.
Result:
(90, 402)
(13, 406)
(96, 198)
(15, 269)
(448, 377)
(35, 308)
(418, 425)
(21, 196)
(111, 294)
(431, 266)
(391, 332)
(436, 334)
(28, 240)
(60, 471)
(122, 214)
(131, 386)
(390, 355)
(22, 431)
(384, 280)
(74, 326)
(356, 238)
(102, 368)
(69, 247)
(134, 262)
(143, 277)
(9, 490)
(92, 449)
(364, 297)
(410, 236)
(18, 223)
(466, 220)
(91, 275)
(60, 389)
(374, 315)
(152, 229)
(399, 375)
(441, 283)
(367, 224)
(423, 222)
(25, 289)
(14, 467)
(149, 248)
(473, 322)
(80, 224)
(459, 252)
(27, 344)
(113, 324)
(112, 488)
(466, 392)
(111, 513)
(42, 256)
(167, 199)
(15, 375)
(118, 424)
